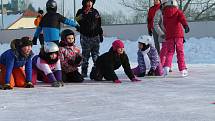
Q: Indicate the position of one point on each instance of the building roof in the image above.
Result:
(25, 21)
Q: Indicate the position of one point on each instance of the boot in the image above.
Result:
(166, 71)
(184, 73)
(6, 87)
(56, 84)
(84, 72)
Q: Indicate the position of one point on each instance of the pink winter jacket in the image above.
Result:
(173, 20)
(67, 53)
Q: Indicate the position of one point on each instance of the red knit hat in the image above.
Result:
(117, 44)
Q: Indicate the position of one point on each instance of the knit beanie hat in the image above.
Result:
(117, 44)
(84, 2)
(24, 41)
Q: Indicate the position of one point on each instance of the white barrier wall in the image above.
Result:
(125, 32)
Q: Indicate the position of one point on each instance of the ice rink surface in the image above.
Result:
(153, 99)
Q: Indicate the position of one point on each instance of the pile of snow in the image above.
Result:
(197, 51)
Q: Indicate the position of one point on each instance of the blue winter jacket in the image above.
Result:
(12, 59)
(50, 25)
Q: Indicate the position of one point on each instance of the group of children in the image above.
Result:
(58, 61)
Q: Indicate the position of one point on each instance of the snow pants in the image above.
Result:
(158, 71)
(17, 78)
(74, 77)
(172, 45)
(90, 47)
(40, 75)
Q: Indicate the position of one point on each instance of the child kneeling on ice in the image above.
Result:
(46, 65)
(70, 57)
(148, 58)
(108, 62)
(16, 65)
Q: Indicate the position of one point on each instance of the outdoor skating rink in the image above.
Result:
(153, 99)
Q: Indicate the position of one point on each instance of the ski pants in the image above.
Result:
(172, 45)
(158, 71)
(90, 47)
(40, 75)
(74, 76)
(17, 78)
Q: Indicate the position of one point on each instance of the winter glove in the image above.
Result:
(77, 28)
(150, 32)
(71, 62)
(186, 29)
(101, 38)
(7, 87)
(151, 72)
(141, 74)
(135, 80)
(34, 41)
(184, 40)
(117, 81)
(78, 59)
(56, 84)
(29, 85)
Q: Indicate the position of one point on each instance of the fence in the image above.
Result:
(112, 11)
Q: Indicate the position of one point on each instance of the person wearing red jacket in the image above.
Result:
(173, 20)
(150, 21)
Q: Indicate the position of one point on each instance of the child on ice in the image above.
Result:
(50, 24)
(173, 20)
(108, 62)
(70, 57)
(12, 63)
(148, 58)
(46, 65)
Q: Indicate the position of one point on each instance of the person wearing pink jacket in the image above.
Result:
(173, 20)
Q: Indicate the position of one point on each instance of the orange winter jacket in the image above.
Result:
(37, 20)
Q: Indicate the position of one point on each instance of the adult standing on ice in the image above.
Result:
(108, 62)
(50, 24)
(91, 33)
(150, 20)
(173, 20)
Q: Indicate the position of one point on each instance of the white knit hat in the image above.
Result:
(169, 3)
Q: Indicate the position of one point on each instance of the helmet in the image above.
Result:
(169, 3)
(145, 39)
(65, 33)
(50, 47)
(51, 5)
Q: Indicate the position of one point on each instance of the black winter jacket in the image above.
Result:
(90, 23)
(110, 61)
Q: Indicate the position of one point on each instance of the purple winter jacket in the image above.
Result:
(153, 57)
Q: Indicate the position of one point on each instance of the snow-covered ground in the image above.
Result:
(153, 99)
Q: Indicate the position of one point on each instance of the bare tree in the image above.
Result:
(194, 9)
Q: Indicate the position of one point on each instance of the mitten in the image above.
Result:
(77, 28)
(78, 59)
(117, 81)
(29, 85)
(151, 72)
(186, 29)
(150, 32)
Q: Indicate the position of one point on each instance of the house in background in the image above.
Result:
(25, 21)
